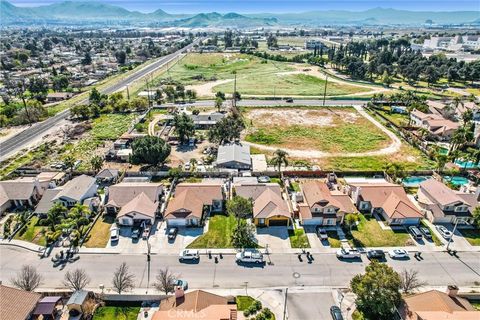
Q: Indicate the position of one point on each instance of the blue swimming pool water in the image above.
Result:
(457, 181)
(414, 181)
(466, 164)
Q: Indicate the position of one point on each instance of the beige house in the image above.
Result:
(139, 209)
(122, 193)
(19, 193)
(76, 191)
(438, 127)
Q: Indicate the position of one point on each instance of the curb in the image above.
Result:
(20, 246)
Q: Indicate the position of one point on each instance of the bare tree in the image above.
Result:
(410, 281)
(165, 281)
(123, 279)
(27, 278)
(76, 279)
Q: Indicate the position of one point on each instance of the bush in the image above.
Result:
(258, 305)
(252, 309)
(260, 316)
(268, 314)
(246, 313)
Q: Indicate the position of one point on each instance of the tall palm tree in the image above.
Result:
(69, 161)
(54, 216)
(279, 158)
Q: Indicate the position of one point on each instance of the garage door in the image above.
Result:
(278, 223)
(176, 222)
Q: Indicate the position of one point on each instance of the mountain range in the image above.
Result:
(92, 12)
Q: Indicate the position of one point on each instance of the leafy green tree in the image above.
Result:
(279, 159)
(87, 59)
(226, 130)
(150, 150)
(69, 162)
(54, 216)
(184, 127)
(440, 161)
(218, 104)
(243, 235)
(350, 220)
(96, 162)
(377, 291)
(240, 207)
(220, 95)
(476, 216)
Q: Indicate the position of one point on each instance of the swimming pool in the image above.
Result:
(414, 181)
(466, 164)
(456, 181)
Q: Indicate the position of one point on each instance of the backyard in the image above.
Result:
(219, 234)
(116, 313)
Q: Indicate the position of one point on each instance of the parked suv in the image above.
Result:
(189, 255)
(415, 232)
(322, 233)
(426, 233)
(348, 254)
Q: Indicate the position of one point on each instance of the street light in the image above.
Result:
(454, 229)
(148, 263)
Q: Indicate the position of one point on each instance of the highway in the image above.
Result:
(19, 141)
(283, 270)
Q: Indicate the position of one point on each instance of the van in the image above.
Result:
(415, 232)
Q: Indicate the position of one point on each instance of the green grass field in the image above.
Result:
(111, 126)
(116, 313)
(219, 233)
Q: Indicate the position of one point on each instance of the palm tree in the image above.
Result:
(69, 161)
(441, 161)
(279, 158)
(54, 216)
(96, 162)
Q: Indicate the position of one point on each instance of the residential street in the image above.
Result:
(437, 269)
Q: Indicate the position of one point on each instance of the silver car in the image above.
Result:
(444, 232)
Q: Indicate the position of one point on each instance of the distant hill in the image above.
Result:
(85, 12)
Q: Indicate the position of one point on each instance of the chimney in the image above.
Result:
(179, 293)
(452, 291)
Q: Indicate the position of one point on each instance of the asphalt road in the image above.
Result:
(20, 140)
(270, 103)
(285, 270)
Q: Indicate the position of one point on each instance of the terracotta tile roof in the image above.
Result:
(140, 204)
(455, 315)
(439, 193)
(378, 193)
(397, 207)
(193, 301)
(214, 312)
(270, 204)
(253, 191)
(190, 198)
(317, 193)
(16, 304)
(122, 193)
(438, 302)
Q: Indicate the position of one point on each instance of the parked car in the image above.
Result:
(189, 255)
(114, 234)
(136, 234)
(336, 313)
(180, 283)
(444, 232)
(375, 254)
(263, 179)
(415, 232)
(322, 233)
(146, 232)
(426, 232)
(398, 254)
(187, 166)
(249, 256)
(172, 233)
(289, 100)
(345, 253)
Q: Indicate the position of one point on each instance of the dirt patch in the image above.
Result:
(206, 89)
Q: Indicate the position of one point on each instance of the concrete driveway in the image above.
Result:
(274, 237)
(315, 242)
(309, 305)
(185, 236)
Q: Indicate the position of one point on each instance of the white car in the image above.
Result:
(189, 255)
(444, 232)
(249, 256)
(346, 253)
(114, 235)
(398, 254)
(187, 166)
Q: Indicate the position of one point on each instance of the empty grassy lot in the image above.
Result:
(219, 233)
(323, 129)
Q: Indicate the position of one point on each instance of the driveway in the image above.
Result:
(309, 305)
(185, 236)
(315, 242)
(125, 244)
(274, 237)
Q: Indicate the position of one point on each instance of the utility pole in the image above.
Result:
(453, 232)
(285, 305)
(148, 264)
(128, 94)
(325, 90)
(235, 90)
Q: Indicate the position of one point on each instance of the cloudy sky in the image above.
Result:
(252, 6)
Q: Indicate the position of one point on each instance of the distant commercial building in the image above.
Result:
(457, 43)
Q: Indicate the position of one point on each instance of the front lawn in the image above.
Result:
(100, 233)
(472, 236)
(32, 233)
(370, 234)
(333, 239)
(116, 313)
(219, 234)
(298, 238)
(244, 302)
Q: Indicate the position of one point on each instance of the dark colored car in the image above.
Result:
(172, 233)
(336, 313)
(426, 232)
(375, 254)
(136, 234)
(289, 100)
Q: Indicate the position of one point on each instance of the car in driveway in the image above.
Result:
(426, 233)
(249, 256)
(114, 235)
(146, 232)
(189, 255)
(415, 232)
(172, 233)
(398, 254)
(375, 254)
(180, 283)
(346, 253)
(322, 233)
(136, 234)
(336, 313)
(444, 232)
(263, 179)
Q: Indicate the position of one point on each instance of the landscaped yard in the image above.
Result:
(323, 129)
(333, 239)
(298, 238)
(244, 302)
(100, 233)
(472, 236)
(219, 233)
(32, 233)
(116, 313)
(370, 234)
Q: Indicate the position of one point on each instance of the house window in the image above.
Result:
(261, 221)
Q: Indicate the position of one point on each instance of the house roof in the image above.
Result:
(254, 190)
(213, 312)
(439, 193)
(76, 188)
(124, 192)
(270, 204)
(437, 301)
(234, 152)
(317, 193)
(107, 173)
(46, 305)
(376, 194)
(398, 207)
(78, 297)
(50, 175)
(16, 304)
(193, 301)
(141, 204)
(46, 202)
(18, 189)
(190, 198)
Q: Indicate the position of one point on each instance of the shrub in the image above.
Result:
(268, 314)
(252, 309)
(260, 316)
(246, 312)
(258, 305)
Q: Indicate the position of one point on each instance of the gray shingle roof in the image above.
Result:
(76, 188)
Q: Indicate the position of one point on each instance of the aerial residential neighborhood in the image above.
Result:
(233, 160)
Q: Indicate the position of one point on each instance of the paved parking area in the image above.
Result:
(309, 306)
(274, 237)
(315, 242)
(185, 236)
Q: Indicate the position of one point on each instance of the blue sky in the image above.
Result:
(251, 6)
